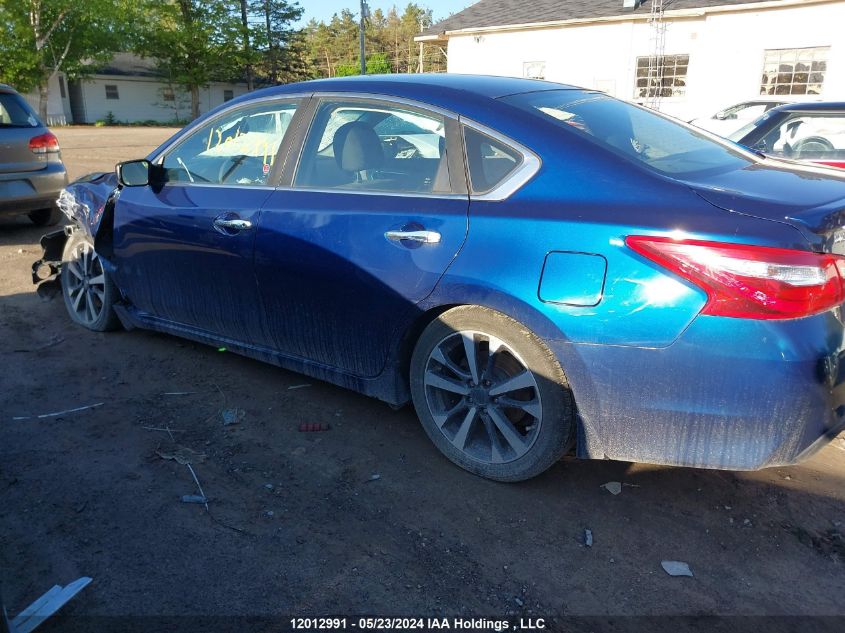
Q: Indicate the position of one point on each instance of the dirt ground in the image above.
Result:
(295, 525)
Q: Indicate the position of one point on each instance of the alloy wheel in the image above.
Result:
(483, 397)
(86, 283)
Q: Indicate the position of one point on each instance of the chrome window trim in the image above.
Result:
(526, 170)
(370, 97)
(376, 192)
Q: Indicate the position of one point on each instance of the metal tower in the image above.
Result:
(658, 50)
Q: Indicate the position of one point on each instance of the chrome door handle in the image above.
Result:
(232, 224)
(423, 237)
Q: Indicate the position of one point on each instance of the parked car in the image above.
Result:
(31, 169)
(537, 267)
(729, 120)
(807, 132)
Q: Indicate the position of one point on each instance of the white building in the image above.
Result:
(713, 53)
(131, 89)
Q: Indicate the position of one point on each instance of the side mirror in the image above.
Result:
(133, 173)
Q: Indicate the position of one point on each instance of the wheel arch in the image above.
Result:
(584, 394)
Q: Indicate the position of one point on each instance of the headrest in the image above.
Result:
(357, 147)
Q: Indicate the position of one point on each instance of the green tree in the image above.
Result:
(281, 45)
(194, 42)
(332, 48)
(40, 38)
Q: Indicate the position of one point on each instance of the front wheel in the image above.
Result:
(89, 292)
(490, 395)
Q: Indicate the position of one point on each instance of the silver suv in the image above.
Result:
(31, 169)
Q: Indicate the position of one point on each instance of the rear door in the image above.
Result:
(184, 246)
(18, 126)
(370, 220)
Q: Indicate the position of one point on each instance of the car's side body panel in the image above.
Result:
(653, 380)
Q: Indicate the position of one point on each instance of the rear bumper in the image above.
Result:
(27, 191)
(729, 393)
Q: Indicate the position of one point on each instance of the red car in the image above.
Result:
(806, 132)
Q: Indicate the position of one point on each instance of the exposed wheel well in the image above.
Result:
(412, 335)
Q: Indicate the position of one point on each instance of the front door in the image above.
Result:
(372, 218)
(184, 246)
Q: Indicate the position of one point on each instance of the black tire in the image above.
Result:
(81, 284)
(520, 350)
(46, 217)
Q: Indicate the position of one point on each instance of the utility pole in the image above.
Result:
(365, 13)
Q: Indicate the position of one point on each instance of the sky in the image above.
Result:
(323, 9)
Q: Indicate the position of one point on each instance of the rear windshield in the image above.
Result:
(15, 112)
(639, 134)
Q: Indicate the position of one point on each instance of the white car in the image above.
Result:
(727, 121)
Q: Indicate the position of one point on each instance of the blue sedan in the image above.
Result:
(539, 268)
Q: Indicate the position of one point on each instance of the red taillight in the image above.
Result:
(751, 282)
(44, 143)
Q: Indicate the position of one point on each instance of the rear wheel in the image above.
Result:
(490, 394)
(88, 291)
(45, 217)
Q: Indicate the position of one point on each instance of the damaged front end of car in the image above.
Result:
(89, 205)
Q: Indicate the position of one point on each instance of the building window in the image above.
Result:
(663, 76)
(62, 87)
(228, 95)
(534, 70)
(167, 94)
(111, 92)
(794, 71)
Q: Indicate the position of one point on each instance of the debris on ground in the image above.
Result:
(58, 413)
(163, 430)
(313, 427)
(298, 386)
(178, 393)
(374, 477)
(35, 614)
(182, 455)
(269, 486)
(54, 340)
(232, 416)
(194, 499)
(588, 538)
(676, 568)
(613, 487)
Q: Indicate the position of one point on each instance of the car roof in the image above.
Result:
(445, 89)
(7, 88)
(810, 105)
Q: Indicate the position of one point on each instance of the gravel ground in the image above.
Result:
(295, 527)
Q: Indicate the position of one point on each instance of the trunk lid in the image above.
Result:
(810, 198)
(18, 125)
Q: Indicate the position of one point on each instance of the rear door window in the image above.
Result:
(377, 147)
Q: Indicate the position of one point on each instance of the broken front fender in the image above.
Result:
(87, 203)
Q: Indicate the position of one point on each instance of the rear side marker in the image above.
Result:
(751, 282)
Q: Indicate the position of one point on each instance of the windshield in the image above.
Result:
(15, 112)
(638, 134)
